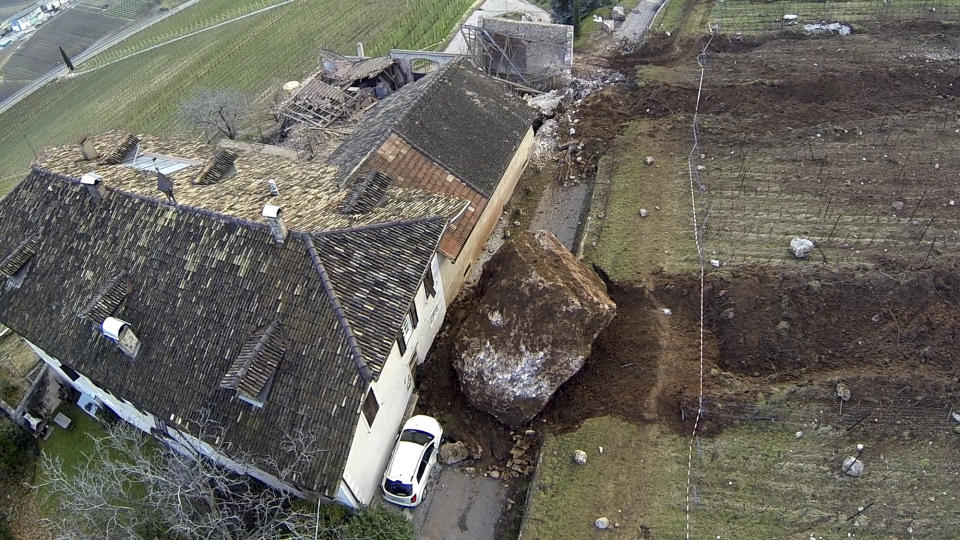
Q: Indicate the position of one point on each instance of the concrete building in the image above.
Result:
(27, 18)
(170, 281)
(538, 55)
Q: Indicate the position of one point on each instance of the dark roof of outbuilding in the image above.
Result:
(465, 120)
(197, 289)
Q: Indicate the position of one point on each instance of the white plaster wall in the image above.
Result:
(372, 445)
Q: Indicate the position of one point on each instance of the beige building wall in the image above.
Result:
(454, 273)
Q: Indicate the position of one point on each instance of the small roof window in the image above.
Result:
(157, 162)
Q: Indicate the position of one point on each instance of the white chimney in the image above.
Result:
(360, 49)
(120, 333)
(95, 186)
(273, 216)
(274, 190)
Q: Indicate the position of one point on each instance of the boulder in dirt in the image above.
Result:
(451, 453)
(800, 247)
(602, 523)
(897, 205)
(843, 391)
(648, 160)
(579, 457)
(852, 467)
(531, 329)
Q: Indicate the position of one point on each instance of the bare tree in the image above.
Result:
(128, 487)
(217, 112)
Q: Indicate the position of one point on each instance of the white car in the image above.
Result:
(413, 458)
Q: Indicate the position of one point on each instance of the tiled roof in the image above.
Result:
(471, 123)
(105, 303)
(377, 124)
(465, 120)
(365, 192)
(410, 168)
(376, 297)
(202, 291)
(309, 192)
(19, 255)
(257, 363)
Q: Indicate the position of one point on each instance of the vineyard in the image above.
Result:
(127, 9)
(74, 30)
(766, 128)
(144, 93)
(752, 16)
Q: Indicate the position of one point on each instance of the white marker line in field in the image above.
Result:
(185, 36)
(696, 237)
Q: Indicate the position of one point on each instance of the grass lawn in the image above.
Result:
(638, 483)
(588, 28)
(754, 480)
(621, 242)
(68, 445)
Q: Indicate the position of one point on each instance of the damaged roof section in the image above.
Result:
(341, 89)
(466, 121)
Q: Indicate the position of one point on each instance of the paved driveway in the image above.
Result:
(460, 506)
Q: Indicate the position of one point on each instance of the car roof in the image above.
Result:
(424, 423)
(406, 459)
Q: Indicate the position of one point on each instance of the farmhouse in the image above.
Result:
(172, 281)
(27, 18)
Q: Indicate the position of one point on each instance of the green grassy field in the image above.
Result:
(638, 483)
(748, 16)
(144, 93)
(618, 240)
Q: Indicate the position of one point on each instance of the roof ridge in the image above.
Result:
(374, 226)
(337, 308)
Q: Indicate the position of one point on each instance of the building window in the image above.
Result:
(69, 372)
(156, 162)
(370, 407)
(406, 331)
(428, 284)
(414, 318)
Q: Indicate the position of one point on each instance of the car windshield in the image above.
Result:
(396, 487)
(416, 436)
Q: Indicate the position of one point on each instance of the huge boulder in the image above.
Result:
(531, 329)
